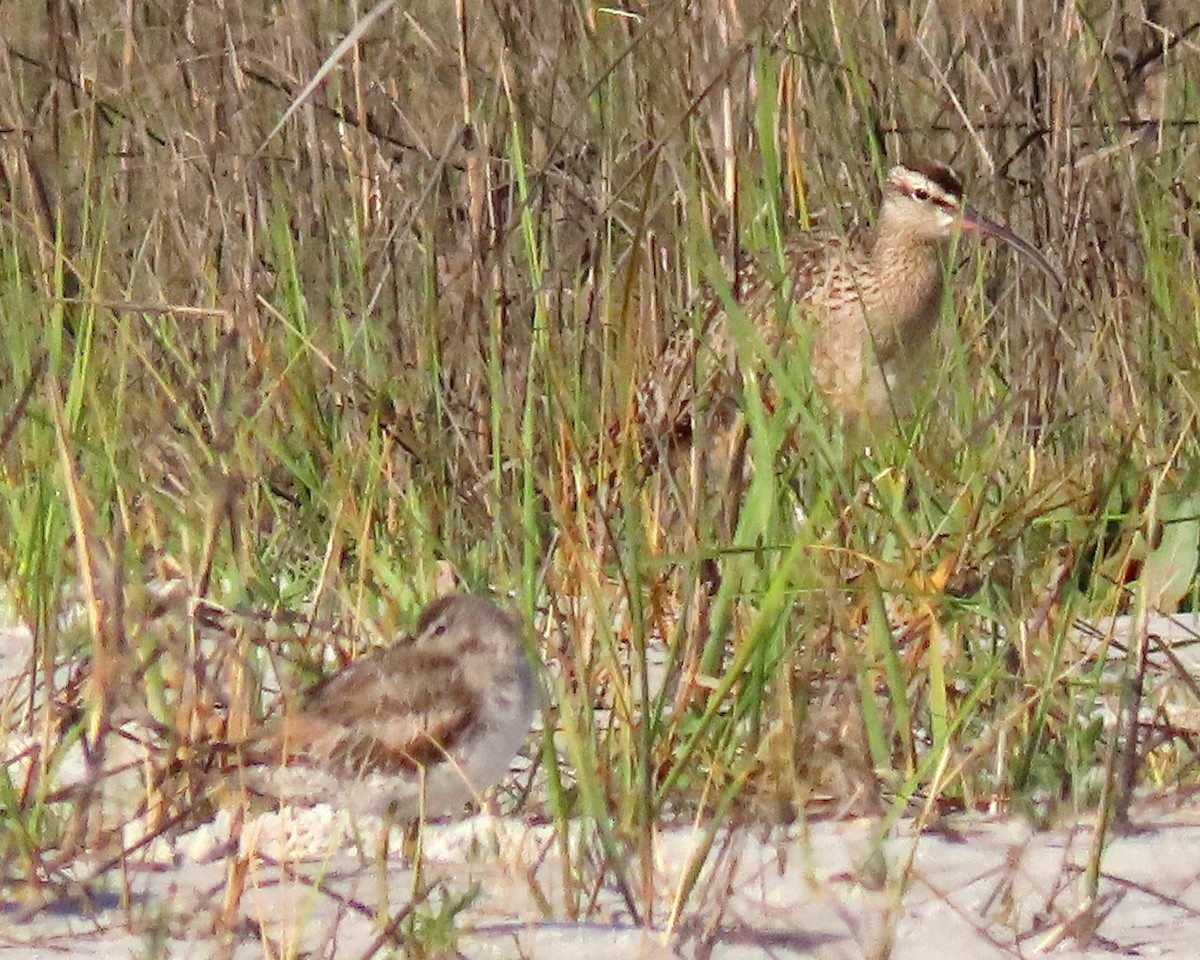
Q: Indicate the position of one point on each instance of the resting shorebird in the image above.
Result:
(413, 731)
(869, 302)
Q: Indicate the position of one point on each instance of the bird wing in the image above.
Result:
(680, 375)
(390, 713)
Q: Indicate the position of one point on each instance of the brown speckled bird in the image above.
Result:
(416, 729)
(869, 302)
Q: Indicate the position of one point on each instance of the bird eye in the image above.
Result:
(921, 195)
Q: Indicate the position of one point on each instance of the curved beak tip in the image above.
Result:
(975, 222)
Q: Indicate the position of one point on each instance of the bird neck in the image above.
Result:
(899, 255)
(908, 288)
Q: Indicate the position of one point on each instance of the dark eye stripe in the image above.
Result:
(940, 175)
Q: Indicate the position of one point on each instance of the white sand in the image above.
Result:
(981, 889)
(994, 890)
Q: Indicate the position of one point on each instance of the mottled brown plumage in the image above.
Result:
(420, 727)
(869, 302)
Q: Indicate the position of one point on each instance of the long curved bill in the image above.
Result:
(973, 220)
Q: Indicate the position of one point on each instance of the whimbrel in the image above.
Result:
(869, 301)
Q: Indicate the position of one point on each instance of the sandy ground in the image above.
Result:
(974, 890)
(977, 891)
